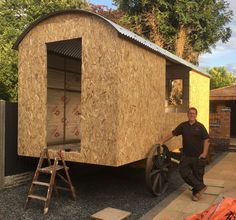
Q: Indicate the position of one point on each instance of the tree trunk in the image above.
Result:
(155, 36)
(181, 41)
(191, 55)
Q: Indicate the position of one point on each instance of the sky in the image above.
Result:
(221, 55)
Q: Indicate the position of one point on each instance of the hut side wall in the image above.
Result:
(199, 95)
(172, 120)
(141, 95)
(142, 120)
(99, 89)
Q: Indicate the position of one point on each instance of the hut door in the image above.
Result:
(64, 93)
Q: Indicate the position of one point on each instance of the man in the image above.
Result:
(195, 150)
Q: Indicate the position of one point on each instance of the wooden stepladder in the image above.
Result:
(52, 169)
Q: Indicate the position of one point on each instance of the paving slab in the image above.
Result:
(221, 182)
(214, 182)
(111, 214)
(213, 190)
(169, 215)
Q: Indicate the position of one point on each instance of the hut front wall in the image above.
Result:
(99, 87)
(199, 95)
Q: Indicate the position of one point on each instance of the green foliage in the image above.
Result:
(204, 23)
(15, 16)
(221, 77)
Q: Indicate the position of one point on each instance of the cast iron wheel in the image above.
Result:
(157, 169)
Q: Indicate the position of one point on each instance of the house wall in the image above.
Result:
(220, 126)
(220, 123)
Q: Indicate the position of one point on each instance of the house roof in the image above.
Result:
(224, 93)
(122, 31)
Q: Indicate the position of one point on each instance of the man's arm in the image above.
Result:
(177, 131)
(167, 138)
(205, 137)
(205, 149)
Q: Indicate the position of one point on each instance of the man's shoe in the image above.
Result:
(200, 192)
(195, 197)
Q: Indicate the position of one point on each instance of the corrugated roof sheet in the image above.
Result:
(154, 47)
(123, 31)
(71, 48)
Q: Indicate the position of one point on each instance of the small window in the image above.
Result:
(175, 92)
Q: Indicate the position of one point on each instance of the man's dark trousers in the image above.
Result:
(192, 170)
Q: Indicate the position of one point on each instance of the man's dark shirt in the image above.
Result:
(193, 137)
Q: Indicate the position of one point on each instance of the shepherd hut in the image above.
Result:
(90, 84)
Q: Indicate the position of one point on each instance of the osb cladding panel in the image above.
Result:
(141, 96)
(199, 93)
(172, 120)
(141, 99)
(99, 71)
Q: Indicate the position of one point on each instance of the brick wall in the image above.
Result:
(220, 127)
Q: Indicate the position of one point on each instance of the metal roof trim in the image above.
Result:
(122, 31)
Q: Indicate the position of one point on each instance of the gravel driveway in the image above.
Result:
(96, 188)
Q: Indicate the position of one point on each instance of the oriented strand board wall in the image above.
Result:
(142, 120)
(141, 92)
(100, 43)
(199, 94)
(172, 120)
(122, 99)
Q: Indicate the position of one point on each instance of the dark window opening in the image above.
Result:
(175, 92)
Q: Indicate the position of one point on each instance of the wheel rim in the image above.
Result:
(157, 168)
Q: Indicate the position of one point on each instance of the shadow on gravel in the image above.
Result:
(96, 188)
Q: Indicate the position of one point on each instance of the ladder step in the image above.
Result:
(38, 197)
(49, 169)
(41, 183)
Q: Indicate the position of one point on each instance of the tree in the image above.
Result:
(184, 27)
(221, 77)
(111, 14)
(15, 16)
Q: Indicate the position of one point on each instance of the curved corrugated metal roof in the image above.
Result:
(71, 48)
(122, 31)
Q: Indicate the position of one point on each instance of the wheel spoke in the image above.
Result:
(157, 170)
(162, 159)
(165, 183)
(160, 184)
(155, 182)
(154, 172)
(158, 150)
(165, 166)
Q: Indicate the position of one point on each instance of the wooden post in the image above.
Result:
(2, 142)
